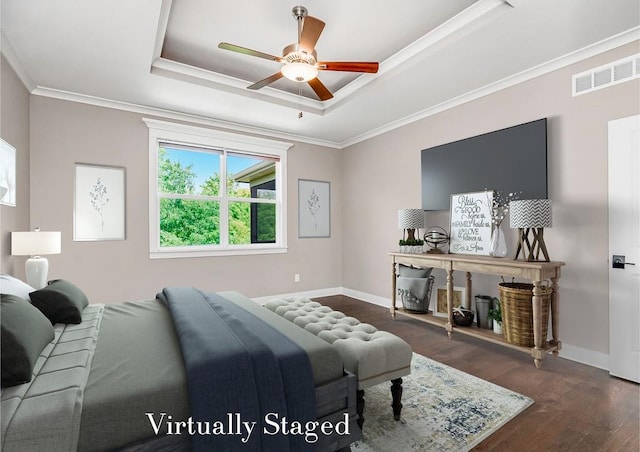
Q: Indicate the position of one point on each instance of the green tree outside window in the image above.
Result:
(192, 222)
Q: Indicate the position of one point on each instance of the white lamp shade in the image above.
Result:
(410, 218)
(530, 213)
(35, 243)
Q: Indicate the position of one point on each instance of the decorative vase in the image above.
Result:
(498, 242)
(497, 327)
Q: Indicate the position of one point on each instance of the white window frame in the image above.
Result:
(163, 131)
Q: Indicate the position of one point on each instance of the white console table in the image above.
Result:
(537, 272)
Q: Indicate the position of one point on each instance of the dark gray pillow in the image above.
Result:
(412, 272)
(25, 333)
(61, 301)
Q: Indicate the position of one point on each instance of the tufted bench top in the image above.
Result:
(374, 356)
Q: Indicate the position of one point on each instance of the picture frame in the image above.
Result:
(439, 302)
(99, 203)
(7, 174)
(314, 209)
(470, 223)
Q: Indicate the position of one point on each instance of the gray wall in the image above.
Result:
(14, 129)
(64, 133)
(386, 170)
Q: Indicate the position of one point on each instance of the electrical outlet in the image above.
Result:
(296, 277)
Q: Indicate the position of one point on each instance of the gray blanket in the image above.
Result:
(238, 367)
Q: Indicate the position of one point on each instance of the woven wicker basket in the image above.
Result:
(517, 312)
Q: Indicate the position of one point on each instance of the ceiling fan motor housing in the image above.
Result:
(294, 54)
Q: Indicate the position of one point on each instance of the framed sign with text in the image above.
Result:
(470, 215)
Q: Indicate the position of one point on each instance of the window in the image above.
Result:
(214, 193)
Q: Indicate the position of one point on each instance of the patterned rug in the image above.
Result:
(444, 409)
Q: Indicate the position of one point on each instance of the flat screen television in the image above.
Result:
(511, 160)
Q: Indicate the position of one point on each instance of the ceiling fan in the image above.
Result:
(300, 61)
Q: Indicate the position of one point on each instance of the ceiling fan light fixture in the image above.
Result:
(299, 72)
(300, 60)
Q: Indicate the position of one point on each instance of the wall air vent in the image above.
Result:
(608, 75)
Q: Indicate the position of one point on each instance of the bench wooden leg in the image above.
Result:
(360, 407)
(396, 395)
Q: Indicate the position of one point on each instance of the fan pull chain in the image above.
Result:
(300, 101)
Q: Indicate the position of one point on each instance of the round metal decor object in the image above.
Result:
(436, 237)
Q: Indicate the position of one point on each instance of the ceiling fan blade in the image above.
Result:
(348, 66)
(311, 29)
(244, 50)
(264, 82)
(321, 90)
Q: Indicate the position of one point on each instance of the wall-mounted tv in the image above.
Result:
(511, 160)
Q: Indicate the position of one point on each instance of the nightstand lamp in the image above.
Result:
(35, 244)
(531, 216)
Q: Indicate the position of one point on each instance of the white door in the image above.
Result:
(624, 246)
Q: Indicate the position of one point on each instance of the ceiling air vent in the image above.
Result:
(608, 75)
(623, 70)
(602, 78)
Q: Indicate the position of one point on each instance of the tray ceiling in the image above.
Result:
(151, 55)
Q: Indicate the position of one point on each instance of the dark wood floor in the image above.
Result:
(577, 407)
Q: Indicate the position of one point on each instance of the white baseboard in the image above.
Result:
(373, 299)
(584, 356)
(570, 352)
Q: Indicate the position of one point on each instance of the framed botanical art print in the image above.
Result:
(314, 208)
(440, 301)
(7, 174)
(99, 203)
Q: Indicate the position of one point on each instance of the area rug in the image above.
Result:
(444, 409)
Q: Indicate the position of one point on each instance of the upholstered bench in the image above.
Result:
(373, 356)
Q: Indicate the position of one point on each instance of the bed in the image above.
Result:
(119, 379)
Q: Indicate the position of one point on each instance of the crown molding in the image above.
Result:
(605, 45)
(177, 116)
(163, 21)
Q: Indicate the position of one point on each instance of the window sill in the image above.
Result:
(182, 254)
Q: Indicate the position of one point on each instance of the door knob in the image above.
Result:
(619, 261)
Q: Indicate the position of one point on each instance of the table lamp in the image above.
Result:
(35, 244)
(410, 220)
(531, 216)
